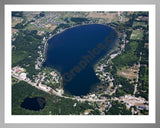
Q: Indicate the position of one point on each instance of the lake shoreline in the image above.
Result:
(46, 42)
(111, 50)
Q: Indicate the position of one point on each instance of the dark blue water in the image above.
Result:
(74, 52)
(35, 104)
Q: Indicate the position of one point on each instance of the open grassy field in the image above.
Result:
(128, 58)
(110, 16)
(137, 35)
(48, 27)
(129, 73)
(18, 56)
(139, 24)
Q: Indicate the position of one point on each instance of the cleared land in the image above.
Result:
(14, 30)
(137, 35)
(48, 27)
(139, 24)
(16, 20)
(112, 16)
(129, 73)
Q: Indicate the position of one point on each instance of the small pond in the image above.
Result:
(35, 104)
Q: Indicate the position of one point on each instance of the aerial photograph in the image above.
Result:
(80, 63)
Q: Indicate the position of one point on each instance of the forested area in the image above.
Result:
(25, 50)
(17, 14)
(127, 87)
(57, 105)
(79, 20)
(143, 83)
(118, 109)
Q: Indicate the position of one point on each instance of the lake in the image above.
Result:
(73, 53)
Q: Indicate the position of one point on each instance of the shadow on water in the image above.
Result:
(35, 104)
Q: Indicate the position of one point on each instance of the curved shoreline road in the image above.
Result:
(53, 92)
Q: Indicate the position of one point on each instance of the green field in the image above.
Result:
(33, 27)
(137, 35)
(127, 58)
(18, 56)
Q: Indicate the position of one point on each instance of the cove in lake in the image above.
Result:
(68, 48)
(35, 104)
